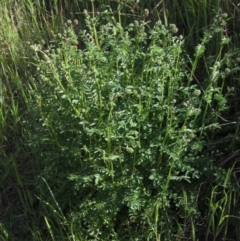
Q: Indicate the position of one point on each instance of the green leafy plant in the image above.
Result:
(122, 127)
(122, 177)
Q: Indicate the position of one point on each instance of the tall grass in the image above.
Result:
(19, 25)
(115, 129)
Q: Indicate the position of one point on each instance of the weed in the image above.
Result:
(118, 126)
(122, 125)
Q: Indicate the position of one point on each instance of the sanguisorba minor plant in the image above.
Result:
(120, 128)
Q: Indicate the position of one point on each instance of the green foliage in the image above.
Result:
(128, 131)
(122, 127)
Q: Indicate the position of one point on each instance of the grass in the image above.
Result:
(122, 125)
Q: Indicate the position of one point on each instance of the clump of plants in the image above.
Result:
(121, 127)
